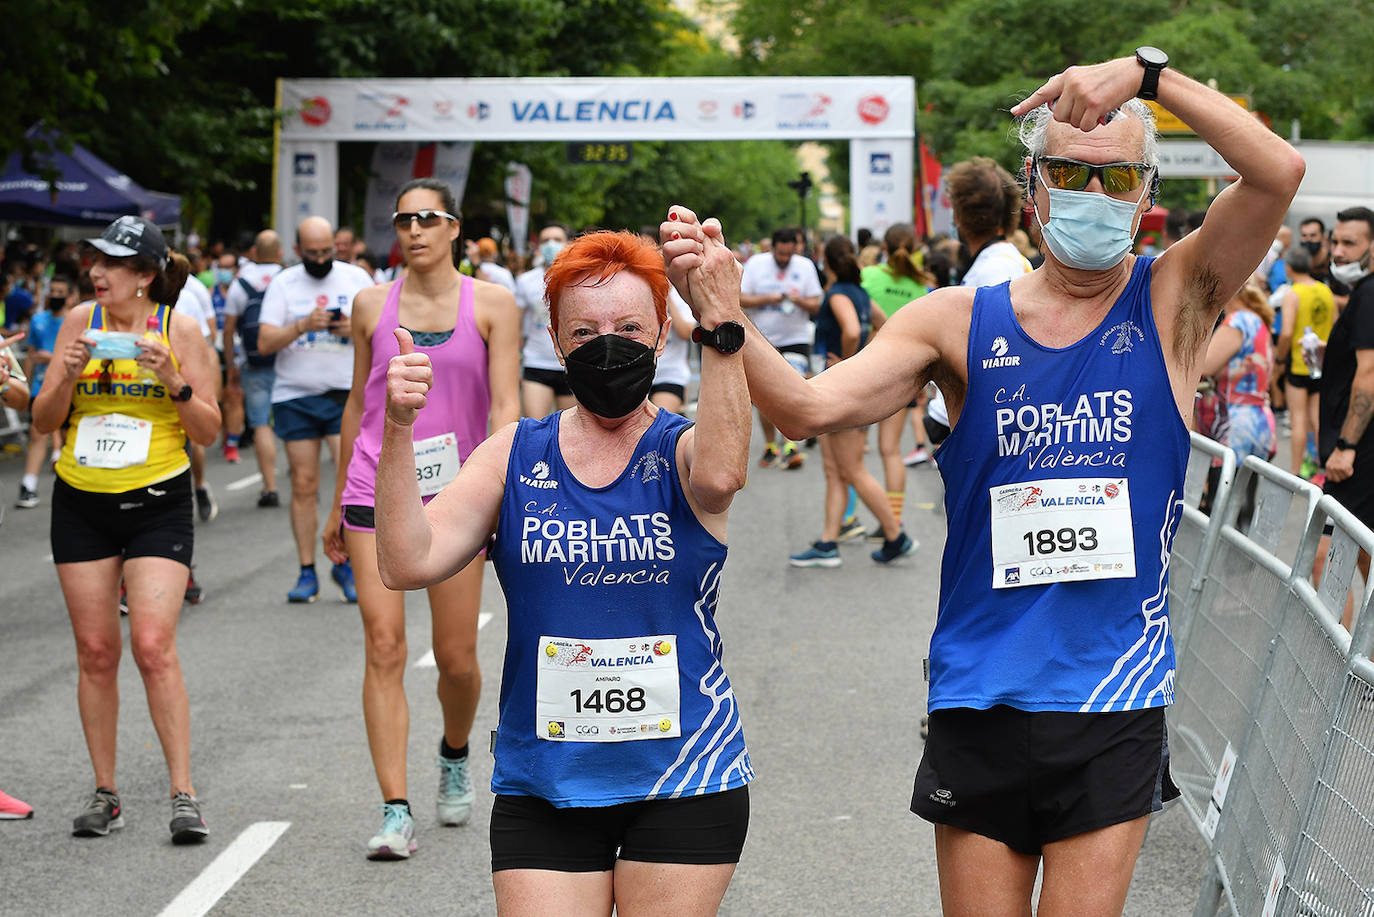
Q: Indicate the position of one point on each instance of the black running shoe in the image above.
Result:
(902, 545)
(188, 825)
(268, 499)
(101, 815)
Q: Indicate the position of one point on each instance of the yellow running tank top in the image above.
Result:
(1316, 310)
(123, 431)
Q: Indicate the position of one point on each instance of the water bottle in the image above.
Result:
(145, 374)
(1311, 352)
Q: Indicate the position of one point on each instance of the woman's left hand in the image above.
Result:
(157, 356)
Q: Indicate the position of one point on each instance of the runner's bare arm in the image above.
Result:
(714, 455)
(874, 384)
(499, 324)
(367, 308)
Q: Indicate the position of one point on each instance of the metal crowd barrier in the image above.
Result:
(1272, 727)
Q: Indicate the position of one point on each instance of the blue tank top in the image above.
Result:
(1065, 469)
(828, 333)
(613, 689)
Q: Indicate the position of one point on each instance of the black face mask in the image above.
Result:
(318, 269)
(1312, 246)
(611, 375)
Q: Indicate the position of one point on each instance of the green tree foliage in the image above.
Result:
(181, 94)
(974, 59)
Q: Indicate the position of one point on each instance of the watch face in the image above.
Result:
(729, 337)
(1152, 56)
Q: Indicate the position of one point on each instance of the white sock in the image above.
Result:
(30, 482)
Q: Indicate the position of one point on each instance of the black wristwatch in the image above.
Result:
(183, 395)
(1343, 443)
(1154, 61)
(727, 337)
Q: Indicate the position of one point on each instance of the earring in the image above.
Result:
(139, 294)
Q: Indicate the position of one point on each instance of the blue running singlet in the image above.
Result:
(1063, 490)
(613, 689)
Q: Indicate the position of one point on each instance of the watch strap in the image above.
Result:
(1150, 59)
(1343, 443)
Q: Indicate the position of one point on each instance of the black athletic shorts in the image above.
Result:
(555, 379)
(152, 521)
(1306, 383)
(530, 833)
(1031, 778)
(1355, 493)
(678, 390)
(935, 431)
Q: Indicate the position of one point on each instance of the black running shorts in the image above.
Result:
(555, 379)
(152, 521)
(1031, 778)
(530, 833)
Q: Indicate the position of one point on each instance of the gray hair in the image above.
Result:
(1298, 259)
(1034, 130)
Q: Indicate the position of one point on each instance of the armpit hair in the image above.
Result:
(1202, 302)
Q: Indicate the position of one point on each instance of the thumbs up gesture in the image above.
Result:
(409, 376)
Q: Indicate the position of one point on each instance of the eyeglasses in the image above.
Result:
(1072, 175)
(428, 219)
(105, 383)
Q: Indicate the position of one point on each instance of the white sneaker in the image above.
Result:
(454, 804)
(396, 840)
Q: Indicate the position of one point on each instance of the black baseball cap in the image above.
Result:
(129, 236)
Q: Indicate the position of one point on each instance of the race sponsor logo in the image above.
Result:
(443, 109)
(479, 111)
(744, 110)
(304, 164)
(999, 356)
(556, 730)
(708, 110)
(873, 109)
(380, 111)
(880, 163)
(1123, 337)
(1012, 576)
(803, 111)
(539, 477)
(315, 111)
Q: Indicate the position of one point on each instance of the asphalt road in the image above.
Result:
(826, 664)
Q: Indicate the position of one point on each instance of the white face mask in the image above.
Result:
(1350, 272)
(1088, 230)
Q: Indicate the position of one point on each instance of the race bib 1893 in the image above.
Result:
(1060, 531)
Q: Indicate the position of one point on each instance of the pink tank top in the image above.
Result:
(455, 415)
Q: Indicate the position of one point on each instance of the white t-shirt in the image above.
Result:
(317, 361)
(492, 272)
(194, 300)
(673, 367)
(538, 352)
(783, 324)
(996, 263)
(257, 275)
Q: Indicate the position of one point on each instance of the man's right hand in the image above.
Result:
(317, 320)
(1340, 466)
(409, 377)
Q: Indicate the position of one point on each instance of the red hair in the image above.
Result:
(596, 257)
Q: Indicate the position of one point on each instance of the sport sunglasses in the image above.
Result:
(1072, 175)
(428, 219)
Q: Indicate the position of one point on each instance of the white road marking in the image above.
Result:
(427, 660)
(245, 483)
(298, 786)
(202, 894)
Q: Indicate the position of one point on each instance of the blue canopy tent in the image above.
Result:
(88, 192)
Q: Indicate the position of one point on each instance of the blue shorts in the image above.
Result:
(310, 417)
(257, 394)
